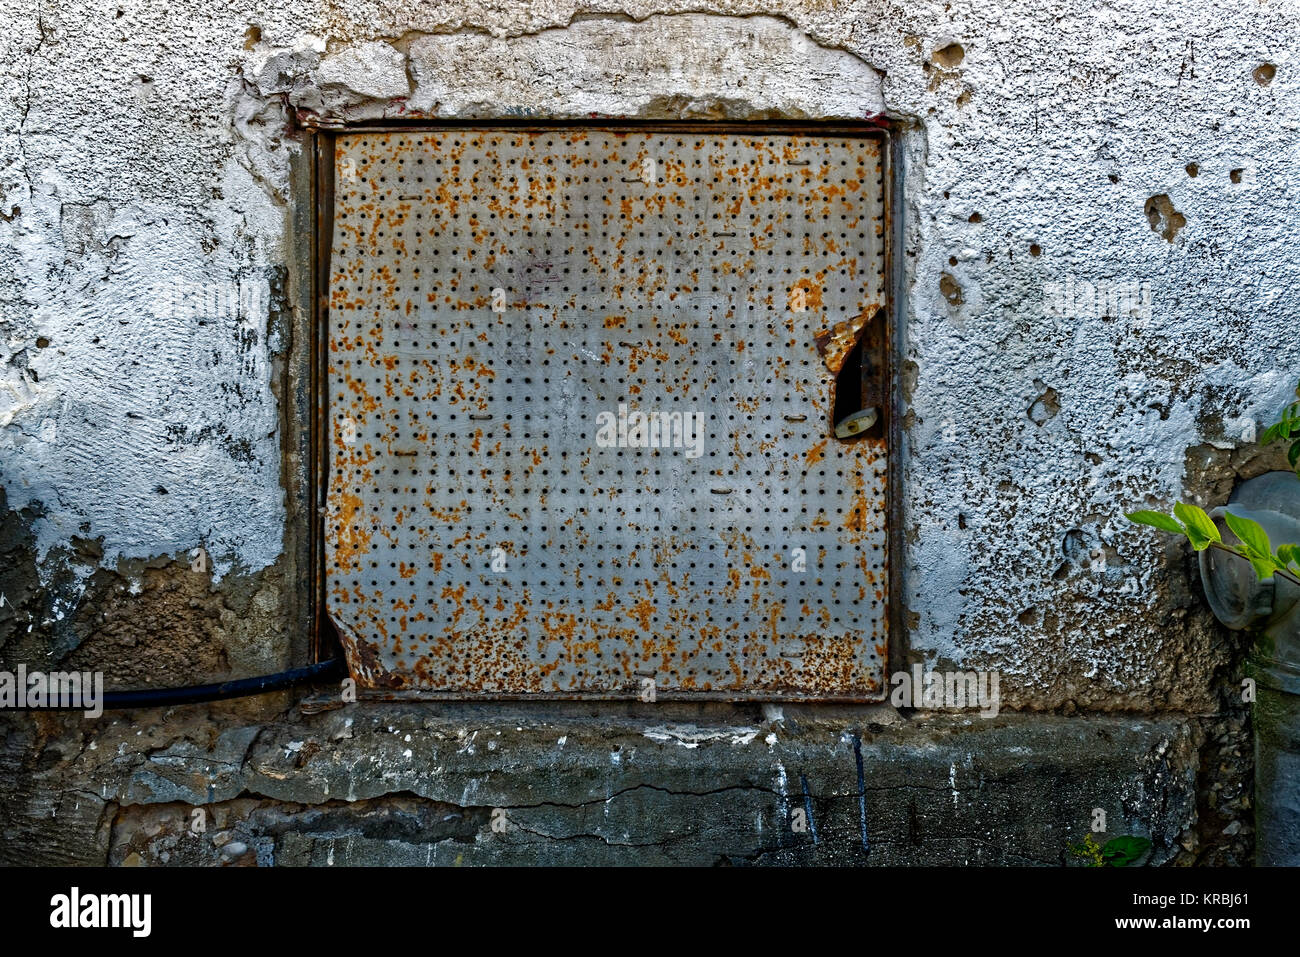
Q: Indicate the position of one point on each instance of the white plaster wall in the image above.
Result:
(145, 144)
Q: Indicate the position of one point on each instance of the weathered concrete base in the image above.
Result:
(1277, 768)
(423, 784)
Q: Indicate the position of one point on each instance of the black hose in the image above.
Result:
(242, 687)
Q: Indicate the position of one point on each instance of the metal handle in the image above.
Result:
(856, 424)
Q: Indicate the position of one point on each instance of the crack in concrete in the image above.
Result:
(27, 101)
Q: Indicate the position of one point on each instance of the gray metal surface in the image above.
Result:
(496, 297)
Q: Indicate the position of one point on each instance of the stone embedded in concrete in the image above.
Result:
(190, 772)
(356, 83)
(685, 65)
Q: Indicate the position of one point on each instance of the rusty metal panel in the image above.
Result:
(503, 304)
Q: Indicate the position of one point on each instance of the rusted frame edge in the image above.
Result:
(896, 643)
(871, 126)
(322, 193)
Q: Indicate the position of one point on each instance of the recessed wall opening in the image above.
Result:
(575, 384)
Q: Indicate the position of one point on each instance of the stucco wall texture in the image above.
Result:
(1097, 298)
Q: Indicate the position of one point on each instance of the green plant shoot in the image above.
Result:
(1117, 852)
(1252, 541)
(1287, 428)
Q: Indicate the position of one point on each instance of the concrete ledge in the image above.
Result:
(405, 784)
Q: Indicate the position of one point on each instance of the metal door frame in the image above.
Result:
(319, 156)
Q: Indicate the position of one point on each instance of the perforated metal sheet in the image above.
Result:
(492, 293)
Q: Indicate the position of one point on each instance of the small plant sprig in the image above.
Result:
(1117, 852)
(1287, 428)
(1253, 545)
(1201, 531)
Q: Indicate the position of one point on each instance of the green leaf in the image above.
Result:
(1287, 427)
(1201, 531)
(1156, 520)
(1253, 537)
(1264, 567)
(1123, 851)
